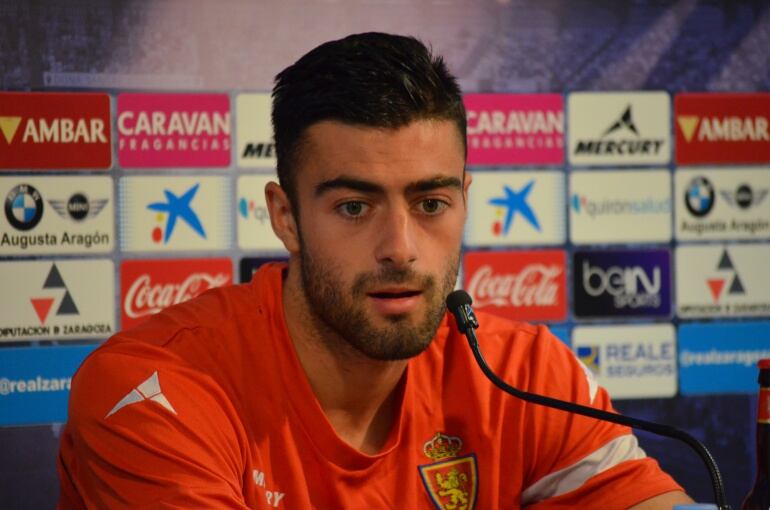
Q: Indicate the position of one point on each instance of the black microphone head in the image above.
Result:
(457, 299)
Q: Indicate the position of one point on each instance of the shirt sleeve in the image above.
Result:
(145, 431)
(577, 461)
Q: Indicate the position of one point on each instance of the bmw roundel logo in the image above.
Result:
(699, 196)
(23, 207)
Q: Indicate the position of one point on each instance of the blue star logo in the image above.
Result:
(516, 201)
(178, 207)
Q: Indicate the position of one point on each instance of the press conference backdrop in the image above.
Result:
(621, 163)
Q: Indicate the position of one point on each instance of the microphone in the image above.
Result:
(459, 303)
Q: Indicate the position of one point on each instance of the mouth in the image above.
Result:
(395, 301)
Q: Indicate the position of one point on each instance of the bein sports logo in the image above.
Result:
(508, 205)
(175, 208)
(624, 283)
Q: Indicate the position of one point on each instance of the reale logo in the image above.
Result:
(528, 285)
(623, 283)
(149, 286)
(54, 130)
(23, 207)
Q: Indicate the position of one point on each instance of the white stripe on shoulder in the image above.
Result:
(560, 482)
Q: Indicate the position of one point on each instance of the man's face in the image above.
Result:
(381, 213)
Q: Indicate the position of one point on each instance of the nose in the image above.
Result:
(396, 238)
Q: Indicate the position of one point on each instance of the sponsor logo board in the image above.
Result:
(254, 229)
(722, 128)
(720, 204)
(619, 128)
(35, 382)
(57, 300)
(249, 265)
(516, 208)
(619, 207)
(172, 213)
(54, 130)
(522, 285)
(515, 129)
(173, 130)
(256, 145)
(56, 214)
(149, 286)
(634, 361)
(622, 283)
(721, 357)
(723, 281)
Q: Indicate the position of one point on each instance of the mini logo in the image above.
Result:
(621, 283)
(744, 196)
(23, 207)
(527, 285)
(699, 197)
(149, 286)
(78, 207)
(451, 481)
(42, 305)
(726, 271)
(589, 355)
(148, 390)
(511, 203)
(175, 208)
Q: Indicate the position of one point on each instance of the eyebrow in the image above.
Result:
(372, 188)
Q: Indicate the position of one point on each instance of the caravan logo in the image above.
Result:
(55, 130)
(636, 133)
(182, 130)
(722, 128)
(515, 129)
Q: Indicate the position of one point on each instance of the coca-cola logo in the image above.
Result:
(146, 298)
(520, 285)
(533, 285)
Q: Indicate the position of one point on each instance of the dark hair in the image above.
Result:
(371, 79)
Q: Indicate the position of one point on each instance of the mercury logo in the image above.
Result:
(622, 137)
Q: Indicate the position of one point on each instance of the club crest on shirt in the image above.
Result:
(451, 481)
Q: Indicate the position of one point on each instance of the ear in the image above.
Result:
(467, 179)
(281, 216)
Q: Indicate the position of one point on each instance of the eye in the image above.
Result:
(432, 206)
(353, 209)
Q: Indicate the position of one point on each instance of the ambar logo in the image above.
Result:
(54, 130)
(722, 128)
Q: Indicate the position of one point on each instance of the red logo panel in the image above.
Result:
(722, 128)
(54, 130)
(149, 286)
(520, 285)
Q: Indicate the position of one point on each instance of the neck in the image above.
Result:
(359, 395)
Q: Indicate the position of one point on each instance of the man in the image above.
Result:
(339, 381)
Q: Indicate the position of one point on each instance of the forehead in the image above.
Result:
(421, 149)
